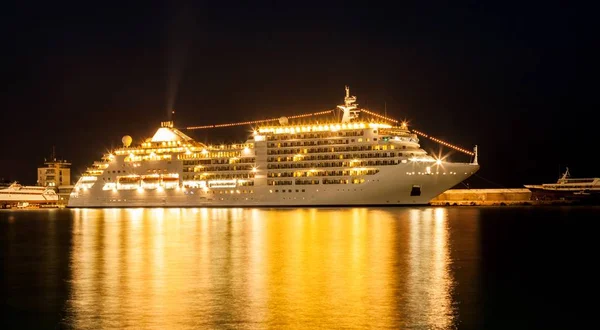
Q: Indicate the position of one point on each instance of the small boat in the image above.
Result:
(17, 195)
(567, 188)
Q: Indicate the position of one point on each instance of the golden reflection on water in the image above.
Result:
(429, 279)
(261, 268)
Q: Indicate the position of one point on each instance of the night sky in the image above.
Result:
(505, 76)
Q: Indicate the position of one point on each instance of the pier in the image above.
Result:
(459, 197)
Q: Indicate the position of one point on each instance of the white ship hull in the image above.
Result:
(391, 186)
(28, 198)
(27, 194)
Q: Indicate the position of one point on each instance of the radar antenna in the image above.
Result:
(171, 115)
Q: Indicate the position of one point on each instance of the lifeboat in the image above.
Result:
(128, 182)
(150, 181)
(170, 181)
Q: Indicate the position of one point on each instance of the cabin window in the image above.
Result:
(416, 190)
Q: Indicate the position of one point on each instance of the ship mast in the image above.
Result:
(349, 107)
(565, 176)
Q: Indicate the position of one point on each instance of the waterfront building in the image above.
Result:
(56, 174)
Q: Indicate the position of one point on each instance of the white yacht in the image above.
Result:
(567, 188)
(16, 195)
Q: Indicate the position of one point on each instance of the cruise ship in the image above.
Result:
(19, 195)
(349, 156)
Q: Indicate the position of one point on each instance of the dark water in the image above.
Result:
(387, 268)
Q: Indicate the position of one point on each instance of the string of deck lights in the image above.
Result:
(230, 124)
(378, 116)
(259, 121)
(446, 144)
(311, 114)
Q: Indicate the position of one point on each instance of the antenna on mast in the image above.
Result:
(385, 109)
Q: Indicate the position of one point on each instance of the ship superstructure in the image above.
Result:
(338, 161)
